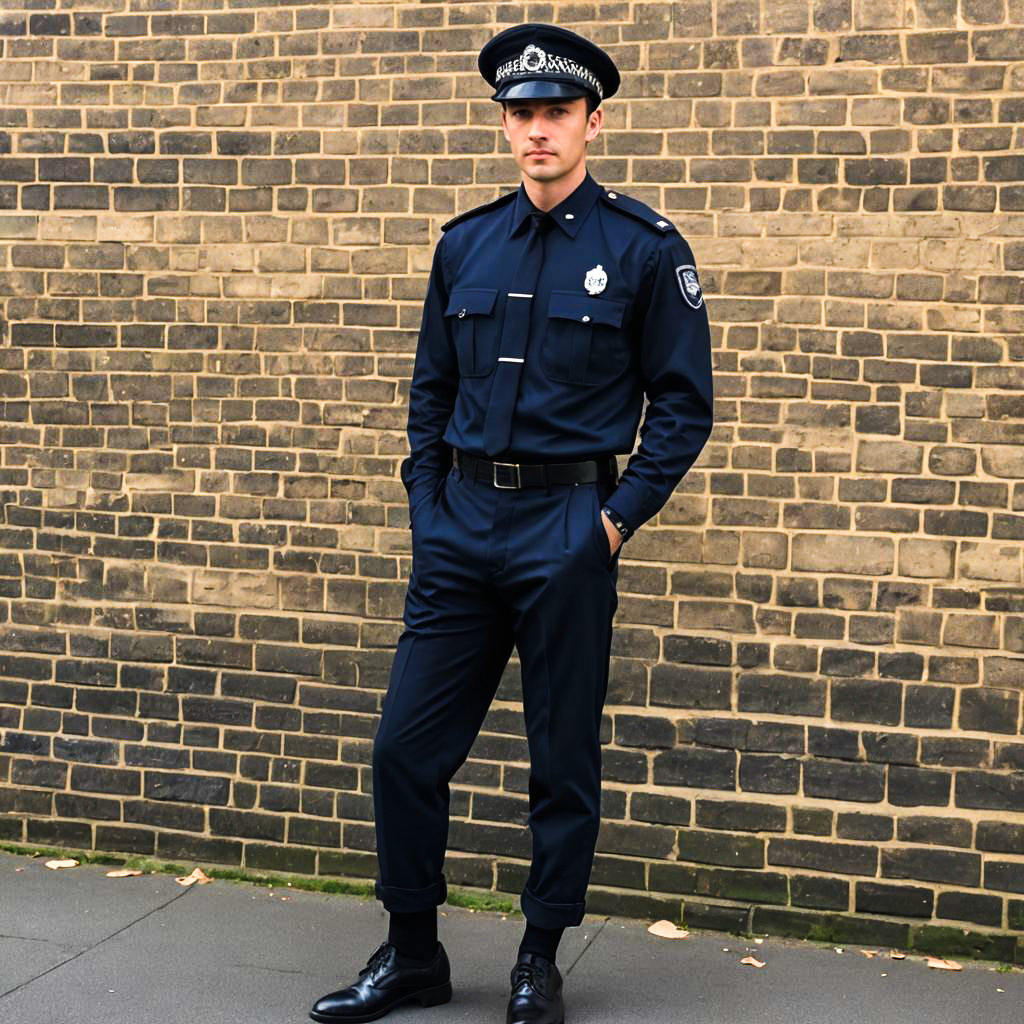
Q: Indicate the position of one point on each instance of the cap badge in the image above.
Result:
(533, 58)
(686, 275)
(595, 280)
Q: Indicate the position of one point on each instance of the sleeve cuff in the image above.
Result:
(618, 522)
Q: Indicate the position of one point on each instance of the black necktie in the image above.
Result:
(514, 334)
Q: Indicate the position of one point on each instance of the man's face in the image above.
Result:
(548, 137)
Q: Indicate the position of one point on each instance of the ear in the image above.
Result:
(504, 122)
(594, 123)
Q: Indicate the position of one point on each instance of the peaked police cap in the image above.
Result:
(537, 61)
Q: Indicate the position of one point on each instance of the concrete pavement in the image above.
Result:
(77, 947)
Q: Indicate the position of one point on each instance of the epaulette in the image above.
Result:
(638, 210)
(500, 201)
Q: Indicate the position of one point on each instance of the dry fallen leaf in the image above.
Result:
(198, 875)
(869, 953)
(69, 863)
(753, 961)
(667, 930)
(123, 873)
(944, 965)
(897, 955)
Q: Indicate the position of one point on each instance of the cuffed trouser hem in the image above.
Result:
(408, 901)
(550, 915)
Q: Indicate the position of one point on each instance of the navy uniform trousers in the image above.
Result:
(492, 568)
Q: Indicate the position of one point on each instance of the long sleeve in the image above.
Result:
(675, 366)
(435, 381)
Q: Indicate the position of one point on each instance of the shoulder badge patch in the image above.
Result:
(689, 285)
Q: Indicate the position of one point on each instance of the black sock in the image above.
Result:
(414, 935)
(541, 940)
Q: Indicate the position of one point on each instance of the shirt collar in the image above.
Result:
(569, 214)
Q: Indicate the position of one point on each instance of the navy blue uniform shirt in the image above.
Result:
(641, 328)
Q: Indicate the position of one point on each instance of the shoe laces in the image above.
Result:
(376, 958)
(529, 971)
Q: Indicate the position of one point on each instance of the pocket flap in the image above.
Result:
(586, 308)
(467, 301)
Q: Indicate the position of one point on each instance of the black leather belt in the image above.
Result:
(512, 475)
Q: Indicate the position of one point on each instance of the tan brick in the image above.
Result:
(869, 556)
(926, 558)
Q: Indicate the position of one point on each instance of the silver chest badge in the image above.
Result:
(595, 280)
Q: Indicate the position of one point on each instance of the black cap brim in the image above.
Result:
(541, 89)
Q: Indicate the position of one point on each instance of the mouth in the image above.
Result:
(540, 152)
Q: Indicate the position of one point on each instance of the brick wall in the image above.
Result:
(215, 229)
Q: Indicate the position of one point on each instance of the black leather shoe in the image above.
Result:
(536, 992)
(383, 984)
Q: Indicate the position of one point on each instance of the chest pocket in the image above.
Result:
(474, 330)
(584, 343)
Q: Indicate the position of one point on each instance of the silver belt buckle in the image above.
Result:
(507, 465)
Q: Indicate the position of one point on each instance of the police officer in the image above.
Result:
(550, 314)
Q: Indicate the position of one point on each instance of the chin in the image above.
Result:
(542, 171)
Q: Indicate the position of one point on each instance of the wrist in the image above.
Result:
(616, 521)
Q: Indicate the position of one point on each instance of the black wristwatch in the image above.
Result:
(616, 521)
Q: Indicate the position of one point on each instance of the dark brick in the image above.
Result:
(934, 830)
(865, 700)
(246, 824)
(954, 752)
(660, 808)
(990, 791)
(679, 687)
(841, 858)
(720, 848)
(1006, 876)
(893, 900)
(818, 892)
(928, 706)
(708, 769)
(105, 780)
(970, 906)
(863, 826)
(812, 821)
(1000, 837)
(782, 695)
(949, 866)
(751, 886)
(988, 710)
(890, 747)
(840, 743)
(838, 781)
(918, 787)
(741, 816)
(198, 789)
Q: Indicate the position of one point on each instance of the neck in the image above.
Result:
(546, 195)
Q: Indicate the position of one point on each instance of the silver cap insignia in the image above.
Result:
(533, 58)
